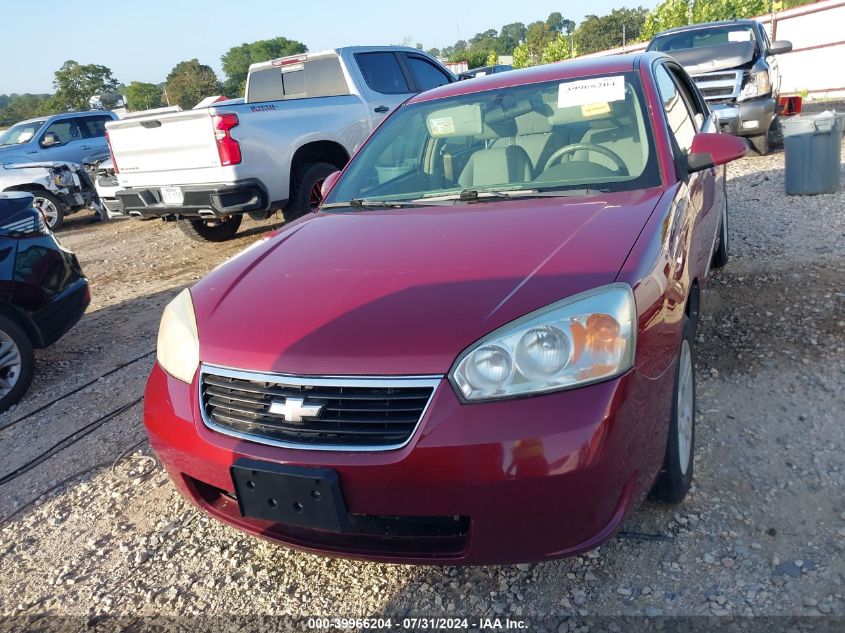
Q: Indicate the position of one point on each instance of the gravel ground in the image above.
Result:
(96, 529)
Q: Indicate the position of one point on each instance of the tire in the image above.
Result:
(720, 255)
(760, 143)
(17, 363)
(675, 477)
(51, 207)
(203, 230)
(306, 182)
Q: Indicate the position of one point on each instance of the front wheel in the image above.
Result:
(675, 477)
(306, 195)
(215, 230)
(51, 208)
(760, 143)
(17, 363)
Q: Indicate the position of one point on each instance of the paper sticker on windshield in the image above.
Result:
(739, 36)
(595, 109)
(589, 91)
(441, 126)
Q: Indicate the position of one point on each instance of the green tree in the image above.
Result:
(556, 50)
(539, 34)
(521, 58)
(598, 33)
(511, 36)
(236, 60)
(143, 96)
(190, 82)
(76, 83)
(492, 59)
(23, 106)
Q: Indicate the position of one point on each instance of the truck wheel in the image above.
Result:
(17, 363)
(675, 476)
(760, 143)
(50, 206)
(720, 255)
(218, 230)
(305, 196)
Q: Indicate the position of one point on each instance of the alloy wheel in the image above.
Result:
(48, 210)
(10, 364)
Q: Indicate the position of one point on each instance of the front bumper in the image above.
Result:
(745, 118)
(207, 200)
(523, 480)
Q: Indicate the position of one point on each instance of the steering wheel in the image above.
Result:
(621, 168)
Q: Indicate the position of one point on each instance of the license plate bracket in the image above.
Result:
(293, 495)
(172, 195)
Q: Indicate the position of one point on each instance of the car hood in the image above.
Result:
(707, 59)
(405, 291)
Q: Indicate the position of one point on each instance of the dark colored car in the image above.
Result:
(43, 292)
(484, 71)
(734, 65)
(481, 348)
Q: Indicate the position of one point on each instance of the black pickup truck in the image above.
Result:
(734, 65)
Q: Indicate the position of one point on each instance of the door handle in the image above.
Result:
(85, 147)
(381, 109)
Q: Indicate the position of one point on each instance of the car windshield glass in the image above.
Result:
(588, 133)
(698, 38)
(20, 133)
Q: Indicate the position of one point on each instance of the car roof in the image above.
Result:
(536, 74)
(338, 52)
(65, 115)
(706, 25)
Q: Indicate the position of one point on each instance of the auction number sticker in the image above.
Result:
(586, 92)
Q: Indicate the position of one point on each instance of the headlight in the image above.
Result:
(574, 342)
(177, 350)
(755, 85)
(62, 177)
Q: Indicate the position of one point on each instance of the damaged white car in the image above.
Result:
(59, 188)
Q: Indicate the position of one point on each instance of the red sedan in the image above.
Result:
(480, 349)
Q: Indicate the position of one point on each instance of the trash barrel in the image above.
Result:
(813, 145)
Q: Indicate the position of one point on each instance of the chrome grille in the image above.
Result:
(719, 85)
(351, 413)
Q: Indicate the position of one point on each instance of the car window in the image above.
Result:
(20, 133)
(382, 72)
(677, 115)
(265, 85)
(65, 131)
(697, 38)
(697, 110)
(589, 133)
(299, 80)
(93, 126)
(428, 75)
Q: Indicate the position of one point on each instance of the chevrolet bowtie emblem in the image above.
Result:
(295, 409)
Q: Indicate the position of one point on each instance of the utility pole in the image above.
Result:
(623, 36)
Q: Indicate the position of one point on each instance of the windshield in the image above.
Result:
(588, 133)
(20, 133)
(698, 38)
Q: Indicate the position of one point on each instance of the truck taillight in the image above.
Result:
(227, 147)
(111, 153)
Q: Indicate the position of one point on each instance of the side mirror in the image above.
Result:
(49, 140)
(711, 149)
(328, 183)
(779, 47)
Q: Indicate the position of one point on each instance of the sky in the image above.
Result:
(142, 40)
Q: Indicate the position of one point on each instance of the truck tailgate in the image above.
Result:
(174, 141)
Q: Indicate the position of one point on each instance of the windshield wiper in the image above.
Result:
(473, 195)
(365, 203)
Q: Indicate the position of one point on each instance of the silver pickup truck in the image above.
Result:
(301, 119)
